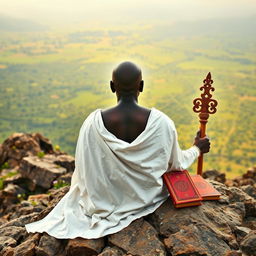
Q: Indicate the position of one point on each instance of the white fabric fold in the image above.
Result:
(115, 182)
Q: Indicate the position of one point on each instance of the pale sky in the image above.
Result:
(64, 11)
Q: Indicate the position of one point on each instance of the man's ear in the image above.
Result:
(112, 86)
(141, 86)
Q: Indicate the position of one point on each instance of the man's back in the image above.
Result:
(126, 123)
(115, 183)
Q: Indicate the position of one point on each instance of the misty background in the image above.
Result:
(65, 13)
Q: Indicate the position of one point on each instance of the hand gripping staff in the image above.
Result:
(204, 106)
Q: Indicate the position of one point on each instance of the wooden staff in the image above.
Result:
(204, 106)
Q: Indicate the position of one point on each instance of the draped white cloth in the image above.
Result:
(115, 182)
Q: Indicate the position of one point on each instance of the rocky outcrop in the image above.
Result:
(84, 247)
(31, 189)
(20, 145)
(139, 238)
(48, 245)
(248, 178)
(248, 244)
(41, 171)
(216, 228)
(215, 175)
(30, 165)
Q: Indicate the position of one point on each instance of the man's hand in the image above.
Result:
(202, 143)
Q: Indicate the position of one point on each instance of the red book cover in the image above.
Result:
(206, 190)
(182, 189)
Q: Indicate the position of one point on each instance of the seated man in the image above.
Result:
(121, 154)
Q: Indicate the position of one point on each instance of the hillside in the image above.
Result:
(50, 81)
(19, 25)
(35, 176)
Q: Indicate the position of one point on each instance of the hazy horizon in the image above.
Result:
(113, 12)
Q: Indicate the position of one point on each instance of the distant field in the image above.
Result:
(50, 82)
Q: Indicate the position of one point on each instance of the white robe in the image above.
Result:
(115, 182)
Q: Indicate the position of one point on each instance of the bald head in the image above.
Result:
(127, 77)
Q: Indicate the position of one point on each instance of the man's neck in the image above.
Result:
(130, 100)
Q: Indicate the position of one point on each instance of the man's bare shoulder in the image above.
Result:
(117, 114)
(126, 123)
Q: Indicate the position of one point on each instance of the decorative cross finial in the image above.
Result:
(204, 106)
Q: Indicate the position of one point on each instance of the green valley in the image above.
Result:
(51, 80)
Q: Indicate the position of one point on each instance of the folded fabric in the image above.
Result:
(115, 182)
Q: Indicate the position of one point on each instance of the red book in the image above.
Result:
(206, 190)
(182, 189)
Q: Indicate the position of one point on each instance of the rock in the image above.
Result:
(250, 222)
(40, 170)
(248, 178)
(27, 248)
(14, 211)
(55, 197)
(42, 199)
(18, 146)
(84, 247)
(48, 246)
(18, 210)
(219, 218)
(231, 183)
(21, 221)
(214, 175)
(243, 182)
(251, 173)
(238, 208)
(3, 154)
(16, 179)
(6, 241)
(234, 253)
(44, 143)
(196, 240)
(139, 238)
(111, 251)
(13, 191)
(237, 195)
(241, 232)
(250, 207)
(223, 227)
(10, 195)
(66, 161)
(25, 203)
(248, 244)
(66, 178)
(17, 233)
(57, 194)
(3, 221)
(250, 190)
(168, 220)
(8, 172)
(7, 251)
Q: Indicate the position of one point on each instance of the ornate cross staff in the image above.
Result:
(204, 106)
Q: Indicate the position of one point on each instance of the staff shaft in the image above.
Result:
(202, 134)
(204, 106)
